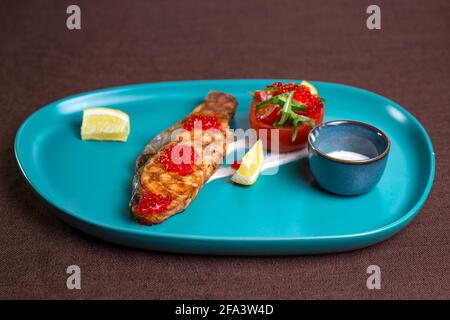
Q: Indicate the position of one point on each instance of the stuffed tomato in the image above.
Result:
(291, 109)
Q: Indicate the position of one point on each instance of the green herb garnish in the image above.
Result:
(281, 100)
(289, 117)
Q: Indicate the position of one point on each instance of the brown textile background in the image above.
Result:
(124, 42)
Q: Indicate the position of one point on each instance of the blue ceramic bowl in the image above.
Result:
(347, 157)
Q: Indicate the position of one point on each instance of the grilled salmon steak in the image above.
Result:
(177, 162)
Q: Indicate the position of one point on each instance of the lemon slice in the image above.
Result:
(105, 124)
(251, 165)
(312, 89)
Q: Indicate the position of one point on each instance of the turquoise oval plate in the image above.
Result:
(90, 182)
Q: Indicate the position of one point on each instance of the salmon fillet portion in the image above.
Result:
(209, 146)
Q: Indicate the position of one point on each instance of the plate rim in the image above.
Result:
(400, 222)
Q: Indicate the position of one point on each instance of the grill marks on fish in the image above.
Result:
(151, 176)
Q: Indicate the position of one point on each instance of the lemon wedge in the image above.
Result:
(312, 89)
(105, 124)
(251, 165)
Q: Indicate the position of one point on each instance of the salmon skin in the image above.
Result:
(151, 176)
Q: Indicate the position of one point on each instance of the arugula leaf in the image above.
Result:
(280, 100)
(286, 111)
(294, 134)
(297, 121)
(288, 115)
(298, 107)
(262, 103)
(305, 119)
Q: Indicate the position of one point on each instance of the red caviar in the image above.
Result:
(178, 158)
(236, 164)
(315, 105)
(152, 203)
(202, 121)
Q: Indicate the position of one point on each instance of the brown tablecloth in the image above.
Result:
(124, 42)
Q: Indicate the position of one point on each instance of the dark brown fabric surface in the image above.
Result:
(123, 42)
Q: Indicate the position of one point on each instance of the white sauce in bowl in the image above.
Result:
(347, 155)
